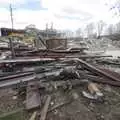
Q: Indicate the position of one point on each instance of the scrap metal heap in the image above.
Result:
(47, 70)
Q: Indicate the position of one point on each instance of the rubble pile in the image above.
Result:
(59, 83)
(43, 82)
(99, 44)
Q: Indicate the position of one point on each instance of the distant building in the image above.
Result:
(49, 33)
(9, 31)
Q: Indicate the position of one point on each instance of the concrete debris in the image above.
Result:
(33, 99)
(57, 68)
(93, 92)
(93, 89)
(14, 97)
(88, 95)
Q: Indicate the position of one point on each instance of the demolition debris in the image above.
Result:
(39, 73)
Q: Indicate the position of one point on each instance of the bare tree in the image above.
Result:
(114, 6)
(100, 26)
(68, 33)
(117, 27)
(31, 30)
(79, 32)
(110, 29)
(89, 29)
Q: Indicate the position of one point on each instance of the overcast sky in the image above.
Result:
(65, 14)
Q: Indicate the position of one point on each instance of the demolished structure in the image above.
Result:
(41, 72)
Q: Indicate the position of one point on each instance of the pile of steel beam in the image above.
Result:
(57, 69)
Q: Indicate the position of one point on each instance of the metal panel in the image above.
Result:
(56, 43)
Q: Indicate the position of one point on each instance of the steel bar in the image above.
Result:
(87, 56)
(113, 73)
(98, 79)
(16, 49)
(16, 76)
(107, 62)
(58, 56)
(4, 74)
(22, 60)
(97, 70)
(22, 79)
(55, 51)
(12, 82)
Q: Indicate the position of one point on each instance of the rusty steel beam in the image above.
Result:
(113, 73)
(44, 58)
(17, 75)
(98, 79)
(16, 49)
(59, 55)
(87, 56)
(97, 70)
(26, 60)
(55, 51)
(15, 81)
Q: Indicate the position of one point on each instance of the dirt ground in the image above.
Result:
(79, 108)
(86, 109)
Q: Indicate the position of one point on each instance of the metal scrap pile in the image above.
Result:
(42, 72)
(41, 75)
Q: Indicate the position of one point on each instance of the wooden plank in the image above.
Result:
(45, 108)
(33, 100)
(33, 116)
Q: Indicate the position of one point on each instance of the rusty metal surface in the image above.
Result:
(97, 70)
(99, 75)
(16, 76)
(98, 79)
(56, 43)
(16, 49)
(113, 73)
(15, 81)
(26, 60)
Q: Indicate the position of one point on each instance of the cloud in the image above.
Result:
(65, 14)
(7, 2)
(94, 8)
(23, 18)
(71, 10)
(41, 17)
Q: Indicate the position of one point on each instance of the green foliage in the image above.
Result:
(15, 116)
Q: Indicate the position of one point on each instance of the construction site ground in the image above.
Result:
(80, 108)
(77, 106)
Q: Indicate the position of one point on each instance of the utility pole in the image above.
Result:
(47, 30)
(11, 15)
(11, 38)
(51, 25)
